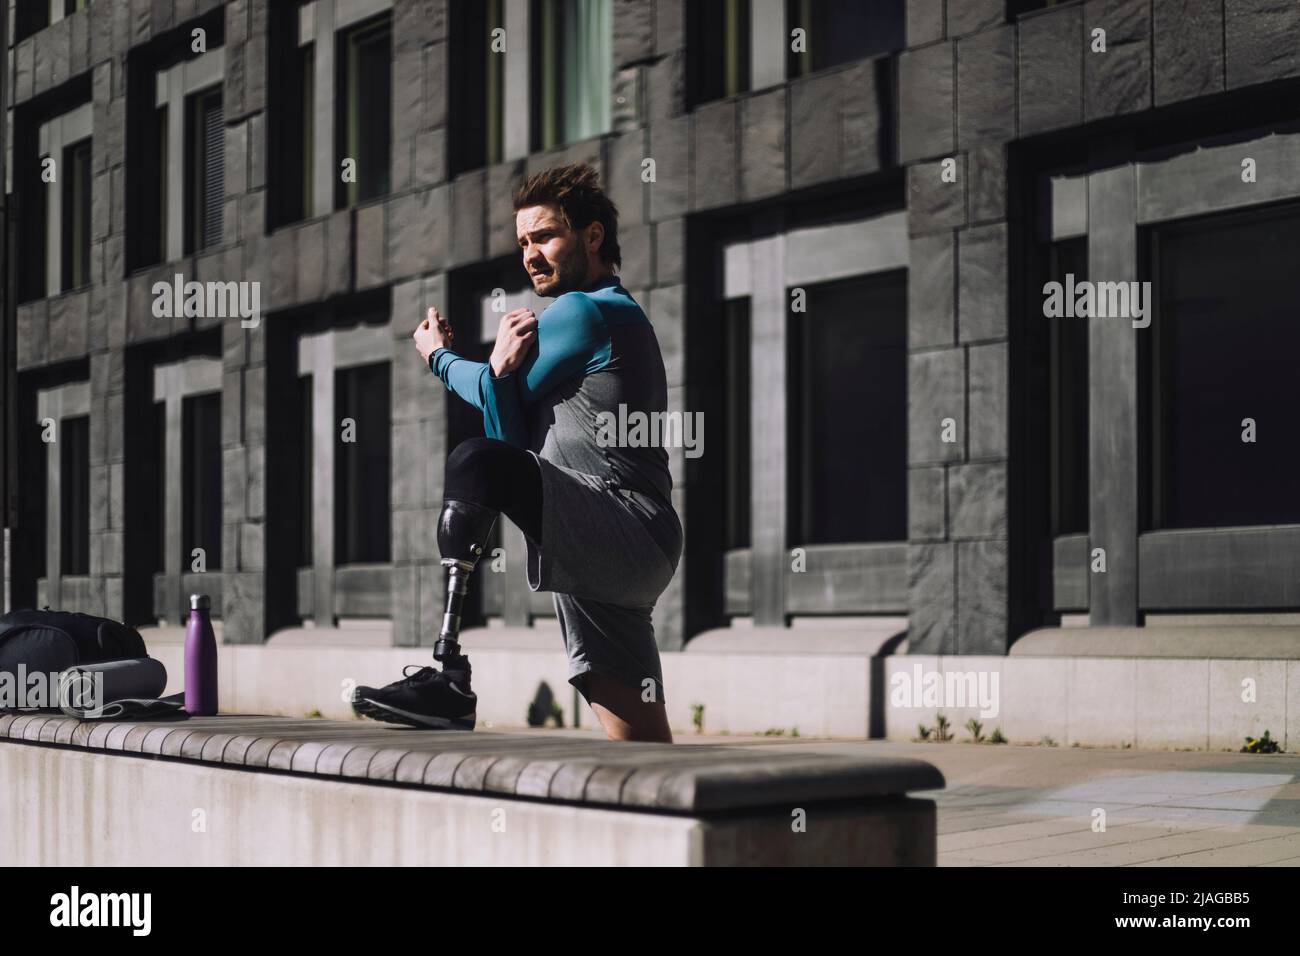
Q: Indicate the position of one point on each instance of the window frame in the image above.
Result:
(199, 107)
(476, 87)
(800, 374)
(1058, 400)
(354, 470)
(307, 56)
(737, 480)
(712, 77)
(1155, 367)
(74, 492)
(814, 15)
(349, 47)
(201, 482)
(78, 181)
(550, 127)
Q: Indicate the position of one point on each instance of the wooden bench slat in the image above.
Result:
(244, 738)
(304, 756)
(64, 734)
(505, 774)
(224, 749)
(50, 732)
(33, 717)
(276, 748)
(330, 760)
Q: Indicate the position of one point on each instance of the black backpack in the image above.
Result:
(50, 641)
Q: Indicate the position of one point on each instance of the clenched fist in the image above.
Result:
(432, 334)
(515, 336)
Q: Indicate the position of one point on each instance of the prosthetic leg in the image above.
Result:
(463, 529)
(441, 700)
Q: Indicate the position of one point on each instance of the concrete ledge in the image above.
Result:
(1143, 703)
(233, 790)
(379, 633)
(1221, 642)
(1092, 698)
(870, 640)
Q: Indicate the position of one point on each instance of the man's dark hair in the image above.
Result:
(575, 191)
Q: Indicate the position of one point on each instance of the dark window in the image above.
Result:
(206, 184)
(305, 527)
(476, 82)
(848, 412)
(363, 128)
(30, 203)
(573, 53)
(737, 404)
(291, 101)
(158, 477)
(718, 52)
(148, 171)
(1069, 398)
(1016, 7)
(29, 17)
(74, 491)
(198, 174)
(1224, 341)
(839, 31)
(76, 215)
(39, 513)
(304, 158)
(361, 466)
(201, 479)
(164, 171)
(152, 245)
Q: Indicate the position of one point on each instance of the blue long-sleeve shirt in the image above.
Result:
(572, 338)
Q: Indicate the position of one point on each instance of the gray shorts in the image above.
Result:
(603, 554)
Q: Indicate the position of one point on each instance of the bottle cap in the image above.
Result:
(199, 602)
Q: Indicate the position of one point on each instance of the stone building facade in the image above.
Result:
(842, 247)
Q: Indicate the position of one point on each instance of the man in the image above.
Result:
(599, 523)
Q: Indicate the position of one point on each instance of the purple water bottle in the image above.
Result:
(200, 659)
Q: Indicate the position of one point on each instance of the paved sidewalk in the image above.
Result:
(1035, 806)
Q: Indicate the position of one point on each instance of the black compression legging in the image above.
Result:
(497, 475)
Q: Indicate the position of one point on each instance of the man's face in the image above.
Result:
(554, 255)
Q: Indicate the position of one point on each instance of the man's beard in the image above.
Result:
(568, 274)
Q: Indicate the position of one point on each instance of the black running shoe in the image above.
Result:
(427, 698)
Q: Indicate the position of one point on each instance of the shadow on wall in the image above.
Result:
(879, 693)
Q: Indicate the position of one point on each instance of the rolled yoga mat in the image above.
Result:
(126, 688)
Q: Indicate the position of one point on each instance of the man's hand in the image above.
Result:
(432, 334)
(515, 336)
